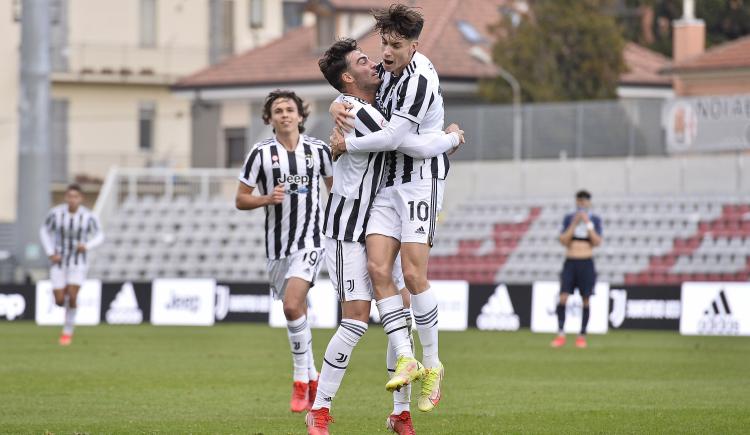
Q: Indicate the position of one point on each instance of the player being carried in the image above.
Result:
(404, 212)
(357, 178)
(69, 232)
(287, 169)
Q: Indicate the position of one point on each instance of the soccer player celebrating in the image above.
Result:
(357, 178)
(581, 232)
(68, 233)
(404, 212)
(286, 169)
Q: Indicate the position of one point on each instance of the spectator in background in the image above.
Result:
(581, 232)
(69, 232)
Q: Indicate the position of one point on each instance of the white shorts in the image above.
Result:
(303, 264)
(347, 268)
(62, 276)
(408, 212)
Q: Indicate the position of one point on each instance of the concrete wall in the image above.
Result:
(10, 37)
(708, 174)
(103, 131)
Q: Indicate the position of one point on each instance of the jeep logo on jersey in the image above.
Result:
(293, 179)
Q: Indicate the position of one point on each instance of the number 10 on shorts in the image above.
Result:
(422, 210)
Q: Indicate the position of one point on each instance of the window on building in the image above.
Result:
(148, 24)
(326, 28)
(256, 10)
(293, 11)
(469, 32)
(146, 125)
(234, 138)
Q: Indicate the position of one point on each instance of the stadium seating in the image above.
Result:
(648, 240)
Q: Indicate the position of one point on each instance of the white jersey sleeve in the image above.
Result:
(251, 169)
(47, 233)
(95, 236)
(412, 99)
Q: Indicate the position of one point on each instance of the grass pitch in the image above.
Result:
(237, 379)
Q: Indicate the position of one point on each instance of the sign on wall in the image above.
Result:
(715, 308)
(183, 302)
(645, 307)
(16, 302)
(322, 311)
(714, 123)
(89, 304)
(544, 300)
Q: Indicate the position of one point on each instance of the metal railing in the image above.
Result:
(562, 130)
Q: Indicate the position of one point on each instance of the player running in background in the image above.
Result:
(357, 178)
(404, 213)
(286, 169)
(69, 232)
(581, 232)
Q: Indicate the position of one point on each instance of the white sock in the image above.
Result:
(425, 309)
(298, 340)
(312, 372)
(336, 360)
(391, 311)
(70, 318)
(401, 399)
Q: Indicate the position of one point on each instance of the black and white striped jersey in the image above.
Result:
(62, 232)
(357, 178)
(414, 95)
(295, 223)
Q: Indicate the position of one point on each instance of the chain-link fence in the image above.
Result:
(554, 130)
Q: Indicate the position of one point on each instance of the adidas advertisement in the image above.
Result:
(715, 308)
(453, 304)
(242, 302)
(544, 299)
(15, 303)
(126, 303)
(639, 307)
(183, 302)
(499, 308)
(450, 296)
(89, 304)
(322, 307)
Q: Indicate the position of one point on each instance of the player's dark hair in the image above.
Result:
(302, 108)
(399, 19)
(583, 194)
(74, 186)
(333, 63)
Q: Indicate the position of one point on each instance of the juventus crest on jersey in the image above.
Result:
(63, 231)
(416, 96)
(295, 223)
(357, 178)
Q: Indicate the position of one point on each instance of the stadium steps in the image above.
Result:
(734, 222)
(478, 260)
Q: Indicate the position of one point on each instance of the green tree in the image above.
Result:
(562, 50)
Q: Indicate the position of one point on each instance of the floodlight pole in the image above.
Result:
(517, 121)
(34, 159)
